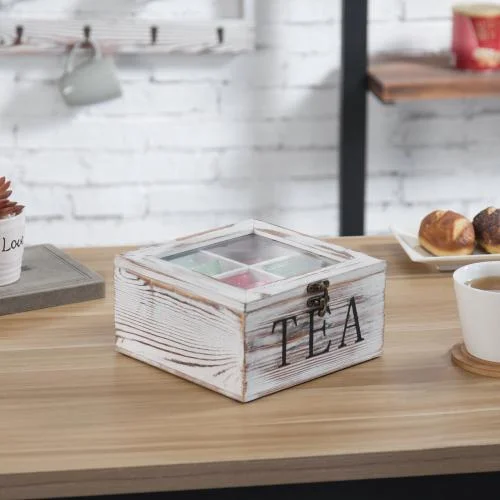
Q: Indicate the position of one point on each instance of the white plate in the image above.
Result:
(408, 239)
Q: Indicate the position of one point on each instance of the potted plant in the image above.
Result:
(12, 222)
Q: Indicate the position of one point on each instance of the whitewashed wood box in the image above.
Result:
(249, 309)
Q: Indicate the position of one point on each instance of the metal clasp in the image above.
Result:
(319, 302)
(318, 286)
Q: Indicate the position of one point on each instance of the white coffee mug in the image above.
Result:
(479, 310)
(90, 82)
(11, 248)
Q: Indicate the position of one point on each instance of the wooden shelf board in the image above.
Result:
(413, 78)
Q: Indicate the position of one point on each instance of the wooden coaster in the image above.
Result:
(462, 358)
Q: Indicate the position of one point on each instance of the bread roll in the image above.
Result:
(444, 232)
(487, 228)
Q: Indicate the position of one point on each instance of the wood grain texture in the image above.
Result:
(427, 77)
(171, 317)
(196, 339)
(78, 418)
(263, 348)
(150, 260)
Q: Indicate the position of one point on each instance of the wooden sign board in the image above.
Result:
(249, 309)
(49, 278)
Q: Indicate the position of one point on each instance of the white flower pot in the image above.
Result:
(11, 248)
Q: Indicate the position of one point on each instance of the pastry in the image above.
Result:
(444, 232)
(487, 228)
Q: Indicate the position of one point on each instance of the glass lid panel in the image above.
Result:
(203, 263)
(250, 261)
(251, 249)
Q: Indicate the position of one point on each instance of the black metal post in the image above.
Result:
(352, 154)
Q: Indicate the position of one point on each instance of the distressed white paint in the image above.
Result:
(345, 260)
(196, 339)
(222, 337)
(264, 349)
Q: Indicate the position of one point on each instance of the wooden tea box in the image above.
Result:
(249, 309)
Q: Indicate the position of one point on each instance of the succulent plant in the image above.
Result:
(8, 208)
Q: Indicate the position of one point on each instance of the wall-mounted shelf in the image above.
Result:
(427, 77)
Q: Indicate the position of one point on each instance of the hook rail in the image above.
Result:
(128, 36)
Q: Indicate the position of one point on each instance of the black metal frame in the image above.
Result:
(353, 115)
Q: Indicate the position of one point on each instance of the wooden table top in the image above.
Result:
(78, 418)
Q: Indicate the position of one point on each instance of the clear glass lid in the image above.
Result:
(249, 261)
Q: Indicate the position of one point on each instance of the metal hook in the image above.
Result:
(220, 35)
(19, 35)
(86, 37)
(86, 33)
(154, 34)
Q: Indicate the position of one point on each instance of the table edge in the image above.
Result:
(246, 473)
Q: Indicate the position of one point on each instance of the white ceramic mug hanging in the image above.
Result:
(11, 248)
(91, 81)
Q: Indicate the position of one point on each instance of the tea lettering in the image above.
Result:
(7, 246)
(359, 338)
(312, 330)
(283, 323)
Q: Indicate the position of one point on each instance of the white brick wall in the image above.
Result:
(199, 141)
